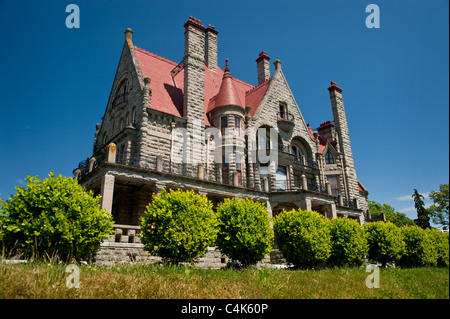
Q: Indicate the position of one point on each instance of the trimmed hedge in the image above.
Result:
(179, 226)
(54, 217)
(244, 230)
(348, 242)
(385, 241)
(419, 250)
(303, 237)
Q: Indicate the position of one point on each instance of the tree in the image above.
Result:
(399, 219)
(179, 226)
(54, 217)
(423, 220)
(439, 209)
(244, 230)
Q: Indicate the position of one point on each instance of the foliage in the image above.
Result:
(399, 219)
(419, 248)
(423, 220)
(441, 243)
(385, 242)
(348, 242)
(54, 217)
(179, 226)
(303, 237)
(439, 209)
(244, 230)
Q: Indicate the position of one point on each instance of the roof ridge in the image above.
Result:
(243, 82)
(257, 87)
(155, 55)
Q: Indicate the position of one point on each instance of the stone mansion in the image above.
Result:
(192, 125)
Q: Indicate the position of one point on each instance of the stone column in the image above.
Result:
(327, 184)
(76, 173)
(111, 153)
(91, 164)
(107, 192)
(304, 182)
(333, 211)
(266, 184)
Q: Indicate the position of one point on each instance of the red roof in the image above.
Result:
(167, 93)
(227, 93)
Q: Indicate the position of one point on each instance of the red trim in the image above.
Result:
(263, 55)
(334, 87)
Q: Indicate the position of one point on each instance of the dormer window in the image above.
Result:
(329, 158)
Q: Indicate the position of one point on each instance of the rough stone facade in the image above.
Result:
(191, 125)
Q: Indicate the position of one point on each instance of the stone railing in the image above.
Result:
(125, 234)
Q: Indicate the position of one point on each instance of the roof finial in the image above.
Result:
(227, 69)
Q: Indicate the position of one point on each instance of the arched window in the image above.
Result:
(329, 158)
(121, 94)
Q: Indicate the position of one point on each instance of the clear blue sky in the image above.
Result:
(55, 81)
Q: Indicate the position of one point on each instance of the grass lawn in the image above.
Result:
(41, 280)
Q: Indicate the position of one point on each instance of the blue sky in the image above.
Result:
(56, 81)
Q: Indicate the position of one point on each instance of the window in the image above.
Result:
(329, 158)
(239, 168)
(122, 94)
(264, 139)
(333, 180)
(237, 126)
(225, 169)
(282, 111)
(294, 151)
(281, 178)
(224, 125)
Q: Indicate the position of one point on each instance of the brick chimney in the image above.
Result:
(263, 65)
(211, 47)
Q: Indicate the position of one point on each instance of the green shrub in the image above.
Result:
(54, 217)
(179, 226)
(419, 248)
(385, 242)
(303, 237)
(440, 242)
(348, 242)
(244, 230)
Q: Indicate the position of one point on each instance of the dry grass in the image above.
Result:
(42, 280)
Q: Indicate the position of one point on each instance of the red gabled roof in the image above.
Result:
(167, 93)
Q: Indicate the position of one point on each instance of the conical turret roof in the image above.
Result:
(227, 93)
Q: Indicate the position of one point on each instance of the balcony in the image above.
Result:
(285, 121)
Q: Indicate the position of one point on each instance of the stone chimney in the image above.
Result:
(263, 65)
(211, 47)
(326, 130)
(194, 88)
(340, 120)
(194, 69)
